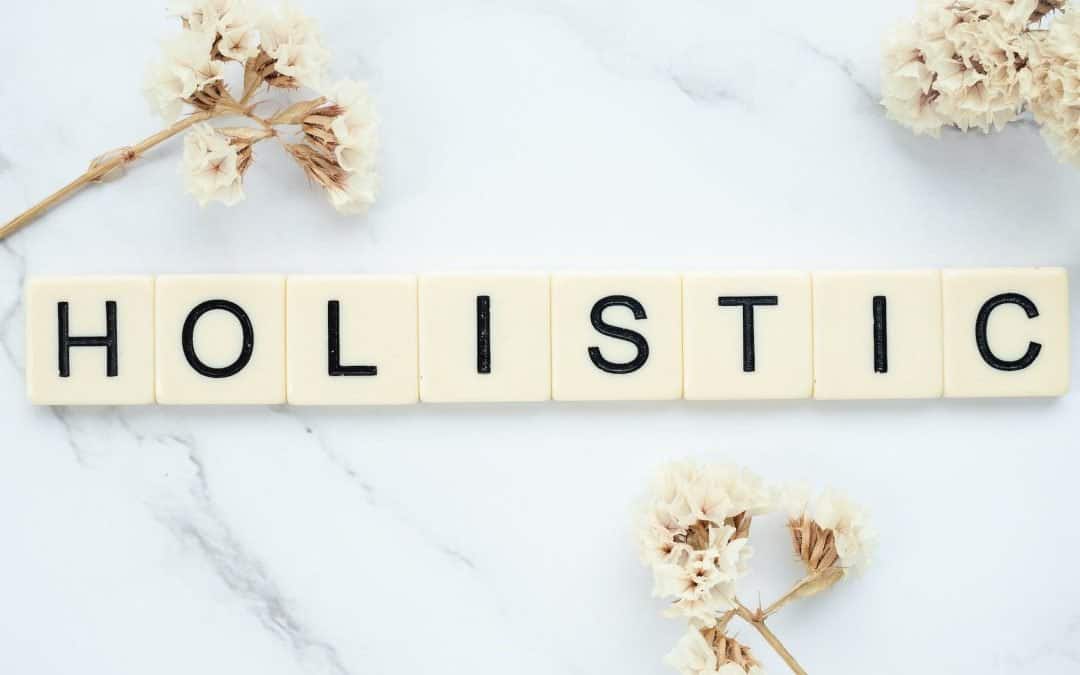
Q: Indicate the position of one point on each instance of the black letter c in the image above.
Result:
(984, 344)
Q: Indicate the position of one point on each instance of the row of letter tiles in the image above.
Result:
(353, 340)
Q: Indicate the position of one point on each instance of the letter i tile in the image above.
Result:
(485, 338)
(877, 334)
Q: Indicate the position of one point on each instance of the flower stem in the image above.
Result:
(98, 170)
(757, 620)
(788, 597)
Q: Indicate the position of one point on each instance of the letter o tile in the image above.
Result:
(220, 339)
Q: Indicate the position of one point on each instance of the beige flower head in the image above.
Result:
(1023, 13)
(292, 51)
(231, 23)
(830, 535)
(709, 651)
(280, 49)
(350, 193)
(693, 534)
(341, 142)
(185, 74)
(965, 63)
(1056, 106)
(215, 161)
(347, 127)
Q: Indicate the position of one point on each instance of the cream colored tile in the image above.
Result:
(485, 338)
(747, 335)
(877, 334)
(108, 323)
(351, 340)
(1006, 332)
(234, 331)
(616, 337)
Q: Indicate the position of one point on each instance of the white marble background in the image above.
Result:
(525, 134)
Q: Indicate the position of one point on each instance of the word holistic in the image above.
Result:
(323, 340)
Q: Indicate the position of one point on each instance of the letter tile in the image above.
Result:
(1006, 332)
(877, 334)
(220, 339)
(747, 336)
(616, 337)
(351, 340)
(90, 340)
(485, 338)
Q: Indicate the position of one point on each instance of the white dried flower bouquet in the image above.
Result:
(979, 64)
(694, 535)
(332, 136)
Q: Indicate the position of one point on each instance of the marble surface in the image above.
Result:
(524, 134)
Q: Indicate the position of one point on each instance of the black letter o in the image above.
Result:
(187, 339)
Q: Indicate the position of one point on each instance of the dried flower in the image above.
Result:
(1057, 105)
(709, 651)
(358, 194)
(294, 54)
(1019, 14)
(702, 584)
(341, 142)
(338, 131)
(980, 63)
(186, 74)
(907, 82)
(349, 192)
(215, 162)
(694, 533)
(959, 62)
(230, 22)
(830, 535)
(1040, 9)
(347, 128)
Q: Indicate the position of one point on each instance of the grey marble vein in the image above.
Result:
(1056, 650)
(241, 572)
(369, 494)
(60, 413)
(199, 525)
(845, 66)
(11, 311)
(705, 93)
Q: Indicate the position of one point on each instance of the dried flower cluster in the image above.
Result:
(333, 136)
(709, 650)
(979, 64)
(829, 534)
(1056, 101)
(694, 535)
(337, 131)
